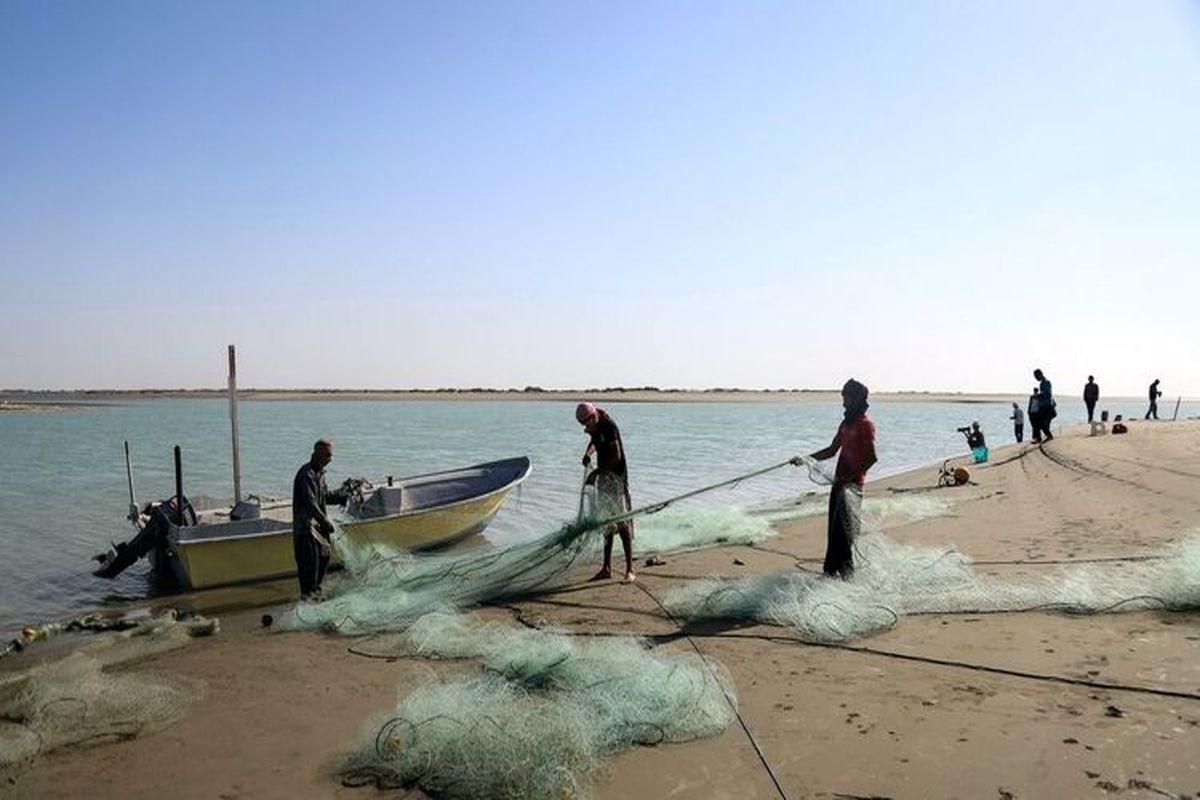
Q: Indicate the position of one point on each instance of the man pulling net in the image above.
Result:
(855, 439)
(611, 479)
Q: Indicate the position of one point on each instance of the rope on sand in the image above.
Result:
(762, 757)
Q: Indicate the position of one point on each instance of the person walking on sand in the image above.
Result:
(310, 524)
(1018, 420)
(855, 439)
(611, 479)
(1091, 393)
(1046, 409)
(1152, 412)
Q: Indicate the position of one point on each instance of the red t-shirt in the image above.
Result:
(855, 439)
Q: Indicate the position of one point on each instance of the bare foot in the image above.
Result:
(630, 577)
(602, 575)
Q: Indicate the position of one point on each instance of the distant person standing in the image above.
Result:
(1035, 417)
(1091, 393)
(1046, 409)
(1018, 420)
(310, 524)
(611, 479)
(1152, 412)
(855, 438)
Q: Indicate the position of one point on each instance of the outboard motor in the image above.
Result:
(152, 534)
(177, 511)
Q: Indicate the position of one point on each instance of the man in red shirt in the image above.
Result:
(856, 439)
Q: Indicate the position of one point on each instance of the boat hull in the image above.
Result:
(427, 530)
(244, 551)
(206, 563)
(225, 555)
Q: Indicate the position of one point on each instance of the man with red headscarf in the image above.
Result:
(611, 480)
(855, 439)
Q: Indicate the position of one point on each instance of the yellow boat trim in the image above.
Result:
(228, 560)
(415, 530)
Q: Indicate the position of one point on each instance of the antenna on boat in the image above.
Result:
(179, 484)
(133, 507)
(233, 426)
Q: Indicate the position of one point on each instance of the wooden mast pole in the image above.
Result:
(233, 426)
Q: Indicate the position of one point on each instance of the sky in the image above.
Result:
(923, 195)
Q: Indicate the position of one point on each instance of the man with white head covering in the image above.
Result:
(611, 480)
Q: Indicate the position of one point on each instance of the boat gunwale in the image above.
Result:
(174, 540)
(465, 469)
(173, 530)
(347, 526)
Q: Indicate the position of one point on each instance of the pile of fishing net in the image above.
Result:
(385, 590)
(81, 700)
(892, 580)
(542, 716)
(547, 708)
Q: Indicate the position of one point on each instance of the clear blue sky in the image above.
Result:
(934, 196)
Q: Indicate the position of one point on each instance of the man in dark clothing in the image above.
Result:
(1091, 393)
(1152, 412)
(855, 438)
(975, 438)
(1035, 416)
(1046, 406)
(310, 525)
(611, 479)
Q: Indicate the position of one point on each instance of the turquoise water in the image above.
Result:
(64, 497)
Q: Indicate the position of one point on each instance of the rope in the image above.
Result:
(654, 508)
(942, 662)
(1016, 673)
(733, 707)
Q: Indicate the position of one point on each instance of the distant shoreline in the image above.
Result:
(22, 400)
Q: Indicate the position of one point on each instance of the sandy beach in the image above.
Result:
(1028, 705)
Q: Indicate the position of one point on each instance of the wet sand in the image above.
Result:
(1025, 705)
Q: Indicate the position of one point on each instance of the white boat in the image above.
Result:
(252, 541)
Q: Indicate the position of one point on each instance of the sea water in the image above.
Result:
(64, 497)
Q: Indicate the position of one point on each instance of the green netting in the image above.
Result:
(387, 589)
(80, 700)
(875, 510)
(892, 580)
(548, 707)
(539, 720)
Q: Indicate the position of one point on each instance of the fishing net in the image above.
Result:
(891, 580)
(388, 589)
(878, 511)
(80, 700)
(539, 720)
(548, 707)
